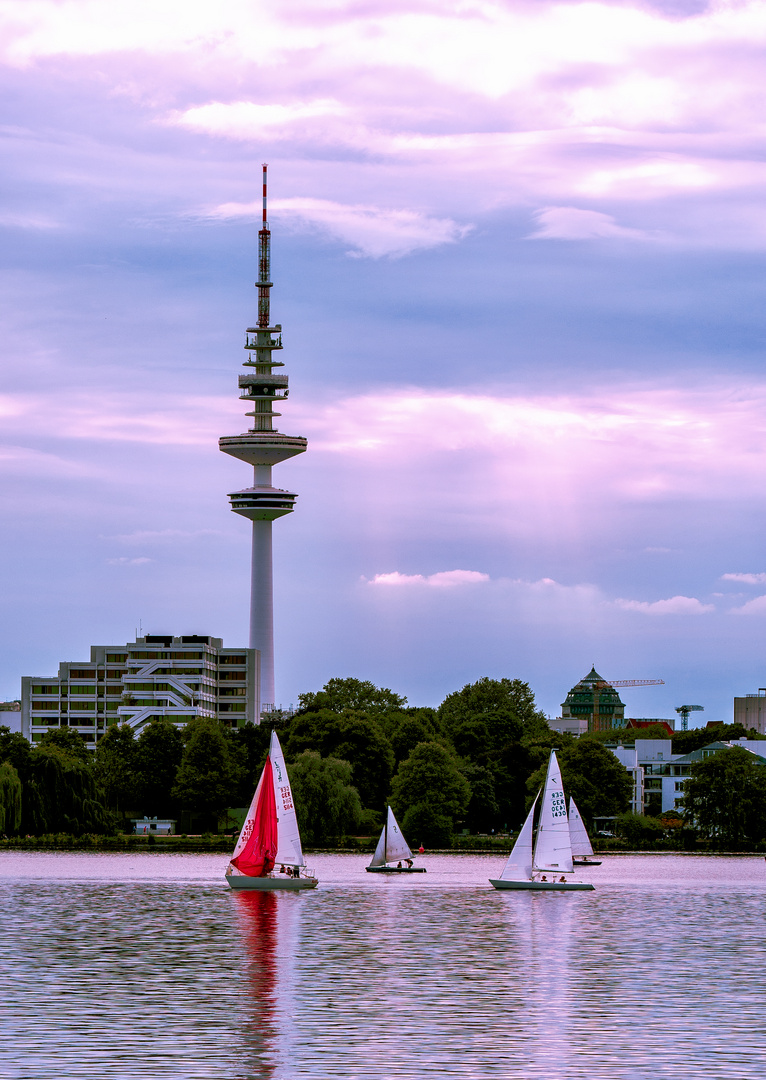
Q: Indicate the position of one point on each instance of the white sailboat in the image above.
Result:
(392, 847)
(543, 870)
(268, 853)
(582, 849)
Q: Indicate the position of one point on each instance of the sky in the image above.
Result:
(519, 254)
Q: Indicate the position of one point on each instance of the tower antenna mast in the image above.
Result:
(263, 447)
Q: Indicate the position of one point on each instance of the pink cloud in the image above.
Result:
(371, 230)
(756, 606)
(675, 605)
(458, 109)
(746, 579)
(570, 223)
(520, 462)
(444, 579)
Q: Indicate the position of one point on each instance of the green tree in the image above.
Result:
(686, 742)
(490, 713)
(10, 799)
(249, 746)
(158, 753)
(14, 748)
(115, 766)
(339, 695)
(483, 812)
(60, 795)
(429, 793)
(69, 742)
(640, 831)
(405, 730)
(592, 775)
(725, 798)
(326, 802)
(352, 737)
(207, 775)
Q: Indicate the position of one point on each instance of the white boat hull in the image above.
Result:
(542, 886)
(269, 884)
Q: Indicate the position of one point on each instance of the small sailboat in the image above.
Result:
(392, 847)
(582, 850)
(268, 853)
(543, 870)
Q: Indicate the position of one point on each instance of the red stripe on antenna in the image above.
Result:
(265, 167)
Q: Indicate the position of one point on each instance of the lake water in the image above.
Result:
(134, 966)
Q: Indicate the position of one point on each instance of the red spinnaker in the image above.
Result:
(257, 857)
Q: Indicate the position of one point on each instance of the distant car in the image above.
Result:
(603, 832)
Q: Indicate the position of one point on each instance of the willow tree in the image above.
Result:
(326, 802)
(10, 799)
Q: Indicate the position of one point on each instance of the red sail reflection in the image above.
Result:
(258, 919)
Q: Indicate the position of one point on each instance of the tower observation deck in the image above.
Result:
(263, 447)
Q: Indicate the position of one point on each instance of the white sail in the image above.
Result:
(379, 858)
(397, 847)
(289, 849)
(553, 848)
(519, 865)
(578, 834)
(392, 847)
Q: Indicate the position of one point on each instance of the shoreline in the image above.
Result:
(155, 845)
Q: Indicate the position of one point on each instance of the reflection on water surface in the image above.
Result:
(137, 966)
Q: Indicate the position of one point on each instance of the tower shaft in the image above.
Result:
(262, 447)
(262, 606)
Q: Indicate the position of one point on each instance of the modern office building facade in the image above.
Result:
(750, 711)
(155, 676)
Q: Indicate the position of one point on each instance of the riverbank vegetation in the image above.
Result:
(458, 776)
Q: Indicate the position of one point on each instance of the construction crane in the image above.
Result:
(602, 684)
(684, 711)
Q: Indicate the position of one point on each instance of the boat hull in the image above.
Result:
(586, 862)
(395, 869)
(270, 884)
(542, 886)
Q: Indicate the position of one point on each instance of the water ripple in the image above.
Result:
(130, 967)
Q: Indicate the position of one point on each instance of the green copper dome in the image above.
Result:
(580, 701)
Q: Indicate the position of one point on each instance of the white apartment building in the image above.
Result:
(658, 772)
(154, 676)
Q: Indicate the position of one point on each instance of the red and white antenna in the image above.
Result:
(265, 219)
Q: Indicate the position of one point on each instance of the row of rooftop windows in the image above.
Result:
(53, 687)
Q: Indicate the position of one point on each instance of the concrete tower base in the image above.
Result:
(262, 608)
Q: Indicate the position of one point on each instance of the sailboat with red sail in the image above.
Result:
(268, 853)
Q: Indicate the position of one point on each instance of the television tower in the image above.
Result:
(262, 447)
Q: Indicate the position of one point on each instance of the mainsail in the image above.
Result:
(256, 849)
(519, 865)
(392, 847)
(289, 850)
(578, 834)
(553, 848)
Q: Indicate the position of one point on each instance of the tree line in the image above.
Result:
(473, 763)
(351, 747)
